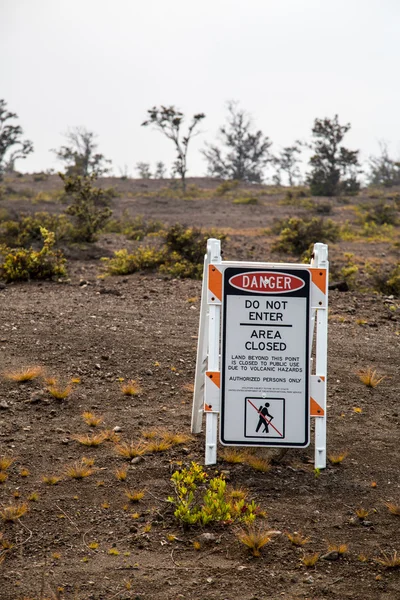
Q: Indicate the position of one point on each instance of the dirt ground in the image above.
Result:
(144, 327)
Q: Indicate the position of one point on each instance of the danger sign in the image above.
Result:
(265, 357)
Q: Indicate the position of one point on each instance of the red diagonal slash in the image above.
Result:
(264, 417)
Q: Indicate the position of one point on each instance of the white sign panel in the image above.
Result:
(265, 357)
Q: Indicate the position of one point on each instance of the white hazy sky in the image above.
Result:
(101, 64)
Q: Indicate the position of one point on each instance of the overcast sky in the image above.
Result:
(101, 64)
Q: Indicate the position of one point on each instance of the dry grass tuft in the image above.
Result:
(362, 513)
(24, 472)
(91, 419)
(78, 470)
(130, 388)
(339, 548)
(310, 560)
(6, 462)
(389, 561)
(51, 479)
(33, 497)
(130, 449)
(150, 434)
(255, 538)
(336, 459)
(3, 476)
(13, 512)
(258, 464)
(58, 392)
(93, 440)
(111, 436)
(50, 380)
(393, 508)
(25, 374)
(237, 493)
(89, 462)
(233, 456)
(370, 377)
(121, 474)
(176, 439)
(134, 495)
(188, 387)
(297, 539)
(157, 446)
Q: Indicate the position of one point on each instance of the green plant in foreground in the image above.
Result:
(200, 501)
(20, 264)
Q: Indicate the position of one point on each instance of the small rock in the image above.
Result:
(2, 286)
(105, 357)
(4, 405)
(65, 441)
(333, 555)
(117, 429)
(367, 523)
(309, 579)
(208, 537)
(137, 460)
(98, 367)
(353, 521)
(149, 372)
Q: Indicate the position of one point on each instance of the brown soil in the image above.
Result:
(144, 327)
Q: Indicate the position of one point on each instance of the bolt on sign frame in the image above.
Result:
(297, 324)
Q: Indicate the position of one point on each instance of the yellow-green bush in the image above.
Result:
(200, 501)
(296, 235)
(21, 264)
(26, 230)
(143, 258)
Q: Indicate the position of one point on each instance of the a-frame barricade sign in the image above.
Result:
(262, 353)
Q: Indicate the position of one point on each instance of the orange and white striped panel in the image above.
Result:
(212, 391)
(319, 287)
(214, 295)
(317, 396)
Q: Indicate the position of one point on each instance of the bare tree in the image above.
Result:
(80, 156)
(246, 154)
(160, 170)
(143, 169)
(287, 162)
(168, 120)
(383, 170)
(12, 147)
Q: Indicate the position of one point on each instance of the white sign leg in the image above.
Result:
(321, 260)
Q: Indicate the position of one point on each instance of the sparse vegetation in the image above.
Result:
(297, 539)
(24, 375)
(134, 495)
(91, 419)
(256, 538)
(336, 459)
(199, 501)
(78, 470)
(370, 377)
(310, 560)
(22, 264)
(130, 450)
(393, 508)
(58, 392)
(297, 235)
(13, 512)
(389, 561)
(130, 388)
(93, 440)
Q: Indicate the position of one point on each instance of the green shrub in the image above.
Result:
(182, 254)
(246, 200)
(21, 264)
(199, 501)
(382, 213)
(296, 235)
(383, 280)
(226, 186)
(87, 206)
(142, 259)
(135, 228)
(26, 230)
(189, 242)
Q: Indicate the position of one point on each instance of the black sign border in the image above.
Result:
(305, 291)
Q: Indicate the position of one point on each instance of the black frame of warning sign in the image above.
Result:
(304, 292)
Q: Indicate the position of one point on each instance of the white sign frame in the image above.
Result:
(207, 387)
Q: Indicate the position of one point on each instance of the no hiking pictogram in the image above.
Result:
(258, 421)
